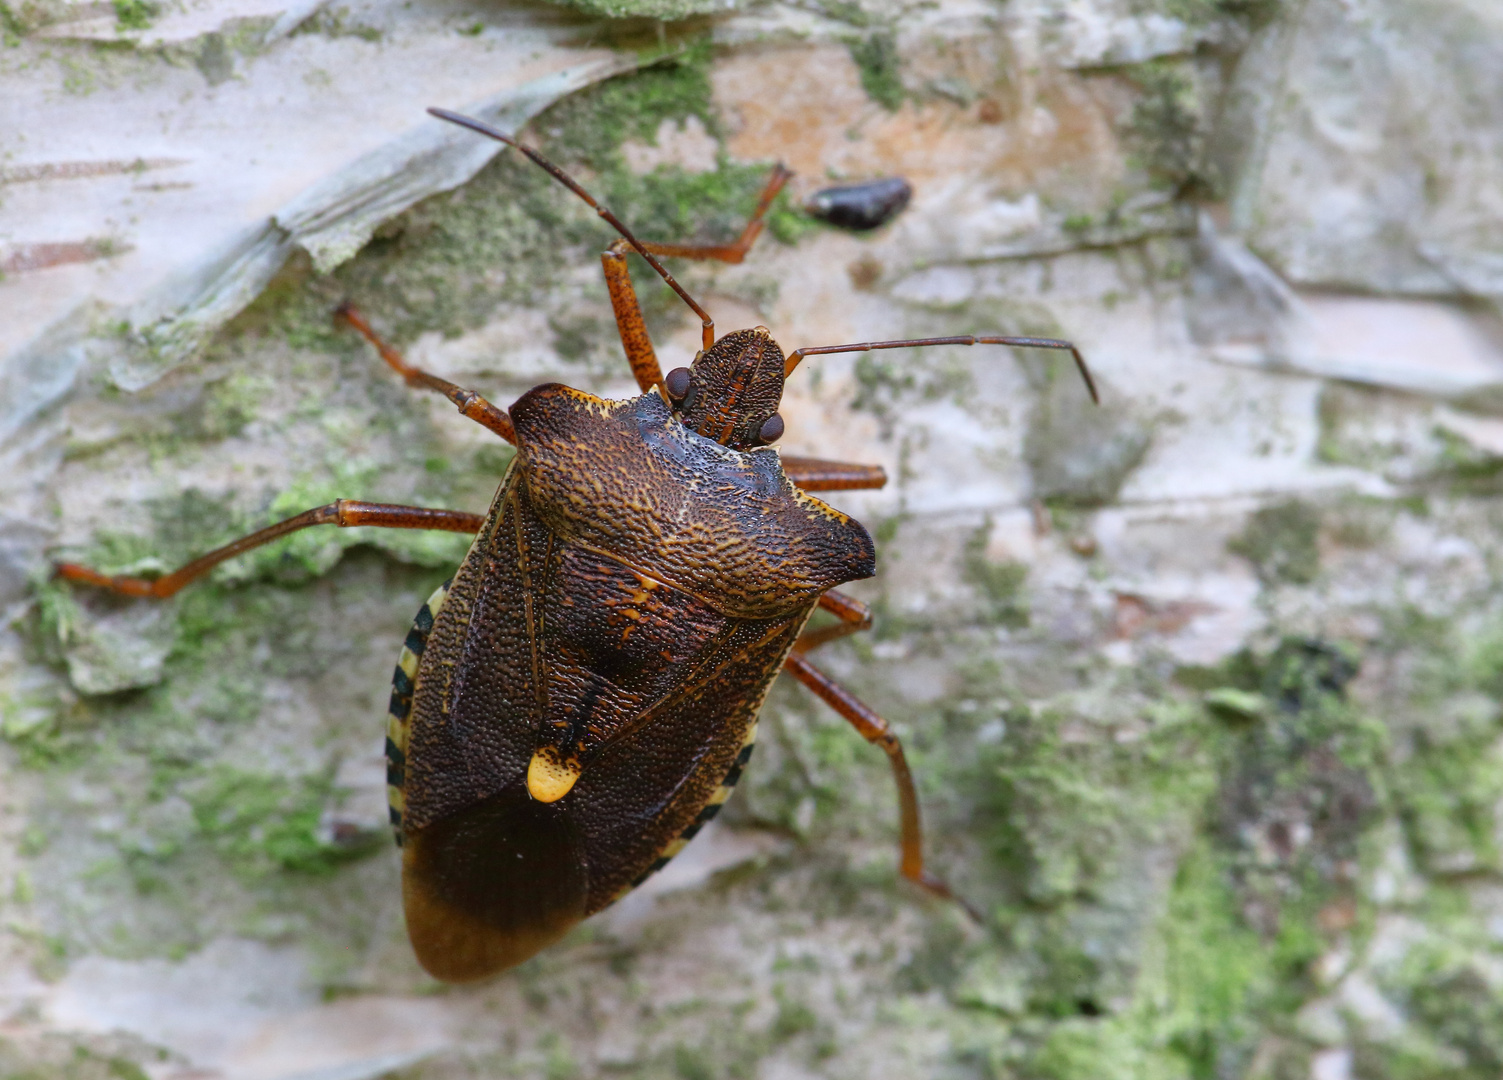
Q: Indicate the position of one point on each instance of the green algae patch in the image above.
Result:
(1216, 978)
(1448, 793)
(1079, 454)
(135, 14)
(223, 810)
(1082, 1049)
(76, 1057)
(664, 10)
(1467, 469)
(1169, 124)
(1254, 13)
(1000, 584)
(1458, 1006)
(1067, 795)
(512, 238)
(879, 67)
(1449, 778)
(1282, 541)
(587, 130)
(1263, 815)
(261, 823)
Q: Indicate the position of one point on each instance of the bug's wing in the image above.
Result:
(645, 795)
(489, 876)
(487, 887)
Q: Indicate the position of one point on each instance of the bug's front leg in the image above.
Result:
(634, 338)
(629, 321)
(470, 403)
(875, 729)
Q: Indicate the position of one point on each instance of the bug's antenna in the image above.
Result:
(1021, 342)
(568, 182)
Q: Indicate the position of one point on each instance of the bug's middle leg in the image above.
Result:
(346, 513)
(470, 403)
(854, 617)
(634, 339)
(875, 729)
(816, 474)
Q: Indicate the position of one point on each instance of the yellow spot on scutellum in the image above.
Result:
(549, 776)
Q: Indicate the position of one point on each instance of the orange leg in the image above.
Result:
(345, 513)
(854, 617)
(876, 730)
(639, 351)
(813, 474)
(470, 403)
(736, 250)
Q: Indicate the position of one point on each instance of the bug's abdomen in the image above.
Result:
(399, 709)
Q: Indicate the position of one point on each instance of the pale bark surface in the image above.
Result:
(1201, 687)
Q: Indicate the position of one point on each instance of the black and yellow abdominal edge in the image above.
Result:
(717, 800)
(403, 681)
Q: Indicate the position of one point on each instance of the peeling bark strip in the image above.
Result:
(331, 221)
(26, 257)
(75, 170)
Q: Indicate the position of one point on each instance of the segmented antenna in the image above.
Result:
(568, 182)
(969, 339)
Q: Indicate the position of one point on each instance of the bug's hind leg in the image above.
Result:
(470, 403)
(877, 730)
(634, 339)
(345, 513)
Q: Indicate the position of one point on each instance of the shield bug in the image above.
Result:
(580, 698)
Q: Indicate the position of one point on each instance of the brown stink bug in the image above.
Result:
(580, 698)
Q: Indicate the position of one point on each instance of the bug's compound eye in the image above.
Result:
(676, 382)
(772, 429)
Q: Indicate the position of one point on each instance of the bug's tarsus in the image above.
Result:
(736, 250)
(967, 339)
(468, 402)
(564, 178)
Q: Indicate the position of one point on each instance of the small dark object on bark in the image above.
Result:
(861, 207)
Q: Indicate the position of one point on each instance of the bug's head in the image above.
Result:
(731, 392)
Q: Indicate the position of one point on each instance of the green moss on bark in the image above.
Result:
(1282, 542)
